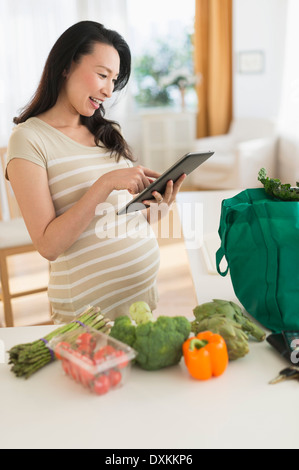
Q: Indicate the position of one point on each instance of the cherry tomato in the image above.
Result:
(75, 372)
(114, 377)
(85, 348)
(86, 377)
(108, 350)
(60, 347)
(122, 357)
(99, 357)
(66, 366)
(84, 338)
(81, 357)
(103, 353)
(101, 385)
(86, 341)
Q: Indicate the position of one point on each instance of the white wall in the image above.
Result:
(259, 25)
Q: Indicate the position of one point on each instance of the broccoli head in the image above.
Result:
(124, 330)
(158, 343)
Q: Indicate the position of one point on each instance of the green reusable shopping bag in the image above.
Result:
(260, 242)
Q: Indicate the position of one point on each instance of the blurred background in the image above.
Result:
(198, 65)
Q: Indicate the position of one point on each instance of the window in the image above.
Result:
(28, 29)
(160, 37)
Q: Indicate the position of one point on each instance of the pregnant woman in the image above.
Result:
(70, 167)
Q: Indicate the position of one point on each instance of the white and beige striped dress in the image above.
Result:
(115, 261)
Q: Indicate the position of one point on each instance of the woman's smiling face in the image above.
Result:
(89, 82)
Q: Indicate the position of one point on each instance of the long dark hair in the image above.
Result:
(76, 41)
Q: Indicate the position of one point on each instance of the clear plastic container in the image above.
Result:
(94, 359)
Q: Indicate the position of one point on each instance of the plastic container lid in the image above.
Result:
(92, 358)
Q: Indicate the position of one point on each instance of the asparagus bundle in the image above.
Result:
(28, 358)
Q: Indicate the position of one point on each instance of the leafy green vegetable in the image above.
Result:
(275, 188)
(158, 343)
(227, 319)
(235, 338)
(232, 311)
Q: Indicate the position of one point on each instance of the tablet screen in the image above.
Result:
(186, 165)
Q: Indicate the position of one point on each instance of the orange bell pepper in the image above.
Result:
(205, 355)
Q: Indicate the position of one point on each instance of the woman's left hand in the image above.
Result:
(170, 193)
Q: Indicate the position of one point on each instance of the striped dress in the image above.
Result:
(116, 259)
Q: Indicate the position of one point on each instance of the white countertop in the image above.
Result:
(165, 409)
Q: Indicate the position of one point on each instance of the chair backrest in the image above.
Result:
(9, 208)
(243, 129)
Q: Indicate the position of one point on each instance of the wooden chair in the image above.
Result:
(14, 240)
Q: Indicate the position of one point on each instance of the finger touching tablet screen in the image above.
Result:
(184, 165)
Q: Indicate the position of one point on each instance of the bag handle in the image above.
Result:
(220, 254)
(223, 230)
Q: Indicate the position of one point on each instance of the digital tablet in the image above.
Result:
(186, 165)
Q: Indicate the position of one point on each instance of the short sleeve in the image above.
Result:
(25, 143)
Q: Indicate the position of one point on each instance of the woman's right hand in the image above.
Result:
(52, 235)
(134, 179)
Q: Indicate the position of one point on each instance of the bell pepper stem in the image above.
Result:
(197, 343)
